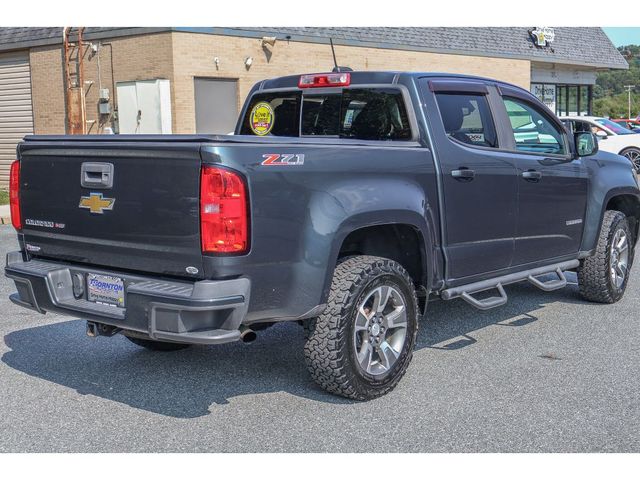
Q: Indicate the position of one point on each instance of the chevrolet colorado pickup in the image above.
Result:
(344, 201)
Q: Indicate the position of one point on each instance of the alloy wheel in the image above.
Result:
(619, 258)
(380, 330)
(634, 156)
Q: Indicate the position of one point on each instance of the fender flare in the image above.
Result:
(372, 219)
(589, 244)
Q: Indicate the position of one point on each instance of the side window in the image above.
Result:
(533, 131)
(374, 114)
(467, 119)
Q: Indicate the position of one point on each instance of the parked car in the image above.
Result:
(628, 123)
(344, 201)
(612, 137)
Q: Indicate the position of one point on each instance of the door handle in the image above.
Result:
(532, 175)
(463, 173)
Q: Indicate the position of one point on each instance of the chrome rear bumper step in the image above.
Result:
(466, 292)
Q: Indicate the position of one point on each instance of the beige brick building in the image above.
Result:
(188, 80)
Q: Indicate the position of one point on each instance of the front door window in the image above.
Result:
(532, 130)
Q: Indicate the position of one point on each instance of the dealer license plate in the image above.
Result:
(105, 289)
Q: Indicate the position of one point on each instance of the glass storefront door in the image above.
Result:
(572, 97)
(585, 100)
(561, 108)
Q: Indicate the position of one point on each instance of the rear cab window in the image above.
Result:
(354, 113)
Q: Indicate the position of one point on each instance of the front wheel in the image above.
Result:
(633, 154)
(603, 277)
(362, 344)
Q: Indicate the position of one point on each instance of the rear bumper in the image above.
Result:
(205, 312)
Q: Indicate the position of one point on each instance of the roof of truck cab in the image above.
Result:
(377, 77)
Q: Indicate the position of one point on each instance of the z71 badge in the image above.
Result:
(283, 159)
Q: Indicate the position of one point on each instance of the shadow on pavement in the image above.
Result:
(186, 383)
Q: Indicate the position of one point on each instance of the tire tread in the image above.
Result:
(326, 360)
(593, 273)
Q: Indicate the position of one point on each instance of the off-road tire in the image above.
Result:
(329, 351)
(157, 346)
(594, 278)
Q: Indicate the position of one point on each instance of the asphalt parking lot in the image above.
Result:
(547, 372)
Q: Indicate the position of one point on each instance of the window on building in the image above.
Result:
(364, 114)
(561, 101)
(546, 93)
(573, 100)
(533, 131)
(467, 119)
(570, 99)
(584, 100)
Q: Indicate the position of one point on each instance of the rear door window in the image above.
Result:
(364, 114)
(467, 119)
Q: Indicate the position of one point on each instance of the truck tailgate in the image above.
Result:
(146, 218)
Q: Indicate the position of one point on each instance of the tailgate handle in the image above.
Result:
(96, 175)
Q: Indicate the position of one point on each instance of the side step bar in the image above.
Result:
(466, 292)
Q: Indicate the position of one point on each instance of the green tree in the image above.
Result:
(610, 96)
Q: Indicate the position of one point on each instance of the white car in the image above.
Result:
(611, 136)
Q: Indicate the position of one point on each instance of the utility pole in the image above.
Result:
(629, 88)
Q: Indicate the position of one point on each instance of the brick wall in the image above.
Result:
(47, 90)
(142, 57)
(193, 56)
(181, 56)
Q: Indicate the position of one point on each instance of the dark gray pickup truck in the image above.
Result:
(344, 201)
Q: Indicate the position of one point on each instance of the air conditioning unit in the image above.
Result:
(144, 106)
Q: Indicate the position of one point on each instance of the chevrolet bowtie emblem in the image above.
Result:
(95, 203)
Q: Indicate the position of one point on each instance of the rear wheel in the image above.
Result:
(603, 277)
(633, 154)
(156, 345)
(362, 344)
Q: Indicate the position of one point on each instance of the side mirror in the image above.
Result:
(586, 144)
(602, 134)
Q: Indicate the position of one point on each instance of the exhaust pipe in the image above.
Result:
(247, 335)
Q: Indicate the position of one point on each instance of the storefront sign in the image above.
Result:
(546, 94)
(542, 36)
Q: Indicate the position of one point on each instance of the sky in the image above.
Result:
(623, 35)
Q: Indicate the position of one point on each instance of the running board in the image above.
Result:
(467, 292)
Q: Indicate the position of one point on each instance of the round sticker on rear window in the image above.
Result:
(261, 118)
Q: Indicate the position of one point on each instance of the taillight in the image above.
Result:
(224, 222)
(324, 80)
(14, 195)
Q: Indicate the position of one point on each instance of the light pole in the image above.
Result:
(629, 88)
